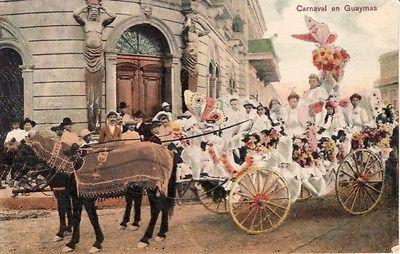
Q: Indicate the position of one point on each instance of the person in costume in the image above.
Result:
(110, 131)
(263, 120)
(86, 137)
(166, 110)
(356, 117)
(27, 125)
(292, 117)
(140, 126)
(69, 136)
(331, 121)
(16, 134)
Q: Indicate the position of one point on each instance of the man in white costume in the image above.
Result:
(292, 117)
(314, 95)
(16, 134)
(166, 110)
(356, 117)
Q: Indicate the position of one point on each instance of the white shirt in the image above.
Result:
(357, 118)
(314, 95)
(261, 123)
(293, 124)
(17, 134)
(168, 114)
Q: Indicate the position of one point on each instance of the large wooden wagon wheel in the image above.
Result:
(259, 200)
(212, 195)
(360, 181)
(304, 194)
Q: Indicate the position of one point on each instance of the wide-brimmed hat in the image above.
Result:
(56, 128)
(111, 113)
(138, 114)
(355, 95)
(85, 132)
(66, 121)
(28, 120)
(123, 104)
(248, 103)
(165, 104)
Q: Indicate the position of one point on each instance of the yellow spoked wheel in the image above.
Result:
(259, 200)
(360, 181)
(212, 196)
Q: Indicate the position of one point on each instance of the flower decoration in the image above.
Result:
(331, 60)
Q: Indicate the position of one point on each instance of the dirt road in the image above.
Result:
(317, 225)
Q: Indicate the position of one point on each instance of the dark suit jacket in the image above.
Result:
(155, 139)
(105, 134)
(144, 130)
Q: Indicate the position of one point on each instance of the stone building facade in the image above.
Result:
(142, 54)
(388, 84)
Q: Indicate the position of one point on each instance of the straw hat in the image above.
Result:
(85, 132)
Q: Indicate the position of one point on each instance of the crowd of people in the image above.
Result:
(295, 138)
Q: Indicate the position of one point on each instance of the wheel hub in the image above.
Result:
(260, 200)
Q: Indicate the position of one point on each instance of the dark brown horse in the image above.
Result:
(61, 159)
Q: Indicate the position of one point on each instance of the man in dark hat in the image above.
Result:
(155, 130)
(141, 127)
(27, 125)
(69, 136)
(123, 109)
(58, 130)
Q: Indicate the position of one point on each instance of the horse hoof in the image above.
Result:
(94, 250)
(134, 228)
(122, 228)
(57, 238)
(67, 233)
(67, 249)
(159, 239)
(142, 245)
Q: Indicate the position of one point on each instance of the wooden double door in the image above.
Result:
(140, 83)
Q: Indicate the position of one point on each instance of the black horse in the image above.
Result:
(158, 203)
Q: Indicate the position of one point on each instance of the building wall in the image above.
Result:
(388, 83)
(55, 42)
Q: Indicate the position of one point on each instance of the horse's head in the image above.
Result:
(53, 152)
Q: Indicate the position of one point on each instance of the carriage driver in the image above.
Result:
(69, 136)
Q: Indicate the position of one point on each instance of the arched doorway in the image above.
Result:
(11, 89)
(141, 53)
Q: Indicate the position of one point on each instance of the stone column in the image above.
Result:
(111, 81)
(27, 75)
(176, 87)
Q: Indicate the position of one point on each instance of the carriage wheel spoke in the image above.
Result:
(261, 220)
(278, 198)
(276, 205)
(248, 215)
(366, 163)
(252, 183)
(355, 198)
(373, 200)
(351, 193)
(376, 172)
(258, 182)
(355, 161)
(275, 191)
(272, 184)
(244, 186)
(374, 181)
(364, 197)
(273, 211)
(372, 188)
(368, 167)
(242, 194)
(351, 167)
(242, 202)
(254, 218)
(353, 177)
(243, 210)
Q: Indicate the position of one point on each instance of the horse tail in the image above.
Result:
(171, 195)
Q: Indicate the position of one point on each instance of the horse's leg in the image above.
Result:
(137, 197)
(68, 207)
(61, 208)
(94, 220)
(164, 220)
(154, 211)
(128, 208)
(76, 220)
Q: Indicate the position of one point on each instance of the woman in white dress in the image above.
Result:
(292, 117)
(262, 121)
(331, 120)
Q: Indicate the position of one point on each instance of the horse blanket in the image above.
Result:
(107, 170)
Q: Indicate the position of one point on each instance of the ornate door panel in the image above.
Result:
(11, 90)
(139, 83)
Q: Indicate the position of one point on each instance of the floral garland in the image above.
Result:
(331, 60)
(248, 164)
